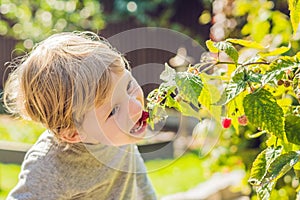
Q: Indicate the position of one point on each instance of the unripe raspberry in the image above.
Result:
(226, 122)
(280, 82)
(243, 120)
(287, 84)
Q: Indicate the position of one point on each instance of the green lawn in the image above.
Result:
(8, 178)
(172, 176)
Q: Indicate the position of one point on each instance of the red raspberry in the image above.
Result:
(145, 115)
(226, 122)
(243, 120)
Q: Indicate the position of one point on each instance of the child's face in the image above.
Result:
(118, 121)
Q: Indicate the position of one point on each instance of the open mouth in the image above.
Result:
(141, 125)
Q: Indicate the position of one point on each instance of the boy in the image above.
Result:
(81, 90)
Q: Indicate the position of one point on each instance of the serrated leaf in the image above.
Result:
(264, 191)
(235, 109)
(208, 96)
(254, 77)
(172, 103)
(156, 114)
(284, 103)
(261, 165)
(234, 88)
(189, 86)
(211, 47)
(187, 110)
(281, 165)
(168, 74)
(263, 111)
(275, 52)
(278, 68)
(292, 129)
(246, 43)
(296, 167)
(229, 49)
(294, 7)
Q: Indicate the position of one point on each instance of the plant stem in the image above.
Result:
(251, 63)
(250, 86)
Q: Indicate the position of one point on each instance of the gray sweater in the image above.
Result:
(82, 171)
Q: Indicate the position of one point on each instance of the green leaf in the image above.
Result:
(156, 102)
(156, 114)
(189, 86)
(235, 109)
(261, 165)
(168, 75)
(264, 191)
(246, 43)
(275, 52)
(211, 47)
(292, 129)
(209, 95)
(187, 110)
(234, 88)
(263, 111)
(183, 107)
(294, 7)
(253, 77)
(229, 49)
(281, 165)
(278, 68)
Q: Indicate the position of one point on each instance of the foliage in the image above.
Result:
(2, 109)
(262, 89)
(263, 21)
(164, 174)
(19, 130)
(8, 178)
(32, 21)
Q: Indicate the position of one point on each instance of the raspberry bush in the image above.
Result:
(261, 91)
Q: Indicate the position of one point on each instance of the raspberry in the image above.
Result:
(280, 82)
(243, 120)
(145, 115)
(226, 122)
(287, 84)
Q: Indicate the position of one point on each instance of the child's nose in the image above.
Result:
(135, 106)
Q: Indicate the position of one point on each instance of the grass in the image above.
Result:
(172, 176)
(18, 130)
(8, 178)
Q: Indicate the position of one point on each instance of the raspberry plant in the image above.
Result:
(262, 91)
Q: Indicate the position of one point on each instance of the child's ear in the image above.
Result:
(70, 136)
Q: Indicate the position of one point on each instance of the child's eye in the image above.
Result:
(114, 111)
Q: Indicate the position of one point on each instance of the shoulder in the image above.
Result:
(39, 176)
(43, 153)
(40, 149)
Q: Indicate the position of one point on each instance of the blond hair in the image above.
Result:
(62, 78)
